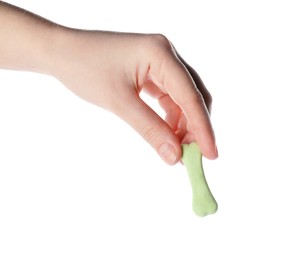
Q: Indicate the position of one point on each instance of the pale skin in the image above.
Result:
(110, 69)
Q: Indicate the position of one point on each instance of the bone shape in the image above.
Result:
(203, 202)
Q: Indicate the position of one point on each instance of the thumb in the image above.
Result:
(152, 128)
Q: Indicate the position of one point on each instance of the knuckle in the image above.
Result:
(197, 98)
(148, 132)
(161, 39)
(158, 42)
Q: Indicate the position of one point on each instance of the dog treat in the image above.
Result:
(203, 201)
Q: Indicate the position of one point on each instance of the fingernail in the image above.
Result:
(215, 154)
(168, 153)
(216, 151)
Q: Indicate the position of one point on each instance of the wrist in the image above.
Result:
(65, 51)
(53, 50)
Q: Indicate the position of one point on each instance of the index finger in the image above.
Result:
(178, 83)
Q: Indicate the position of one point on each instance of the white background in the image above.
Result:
(78, 183)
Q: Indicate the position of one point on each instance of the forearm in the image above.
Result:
(27, 41)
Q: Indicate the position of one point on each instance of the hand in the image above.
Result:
(111, 69)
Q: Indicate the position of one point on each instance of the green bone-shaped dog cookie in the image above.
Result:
(203, 200)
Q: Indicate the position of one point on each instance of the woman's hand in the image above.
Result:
(110, 69)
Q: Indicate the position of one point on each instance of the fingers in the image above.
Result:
(178, 83)
(198, 82)
(152, 128)
(172, 111)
